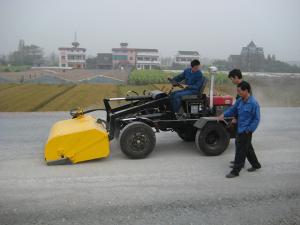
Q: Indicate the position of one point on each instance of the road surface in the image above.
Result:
(176, 184)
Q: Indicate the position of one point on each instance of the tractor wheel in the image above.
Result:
(137, 140)
(213, 139)
(187, 135)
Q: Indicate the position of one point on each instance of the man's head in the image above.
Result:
(195, 64)
(244, 89)
(235, 76)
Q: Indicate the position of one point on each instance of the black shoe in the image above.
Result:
(232, 162)
(231, 175)
(252, 169)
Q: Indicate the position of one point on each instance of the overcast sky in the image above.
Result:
(215, 28)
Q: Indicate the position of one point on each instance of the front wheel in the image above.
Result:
(137, 140)
(213, 139)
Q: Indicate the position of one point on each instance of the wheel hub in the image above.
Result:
(138, 142)
(212, 138)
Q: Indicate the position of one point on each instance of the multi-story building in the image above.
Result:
(183, 58)
(250, 59)
(72, 57)
(125, 57)
(147, 59)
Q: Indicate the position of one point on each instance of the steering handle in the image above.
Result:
(175, 83)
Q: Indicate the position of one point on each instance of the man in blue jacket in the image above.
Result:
(193, 80)
(246, 109)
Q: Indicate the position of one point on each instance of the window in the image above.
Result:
(63, 65)
(63, 57)
(120, 57)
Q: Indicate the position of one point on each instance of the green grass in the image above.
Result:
(46, 97)
(144, 77)
(13, 68)
(27, 97)
(83, 95)
(220, 78)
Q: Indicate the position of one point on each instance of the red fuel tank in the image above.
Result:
(222, 100)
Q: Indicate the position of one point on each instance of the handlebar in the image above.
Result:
(175, 83)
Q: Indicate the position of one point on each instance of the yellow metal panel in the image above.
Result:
(78, 139)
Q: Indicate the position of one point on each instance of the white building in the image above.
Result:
(185, 57)
(147, 59)
(72, 57)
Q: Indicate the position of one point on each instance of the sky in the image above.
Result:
(214, 28)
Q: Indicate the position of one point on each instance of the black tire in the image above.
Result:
(137, 140)
(187, 135)
(213, 139)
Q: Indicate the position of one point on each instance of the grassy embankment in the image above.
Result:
(42, 97)
(13, 68)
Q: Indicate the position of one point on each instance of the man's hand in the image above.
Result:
(234, 121)
(184, 86)
(220, 118)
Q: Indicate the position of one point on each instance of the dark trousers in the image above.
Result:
(176, 98)
(244, 149)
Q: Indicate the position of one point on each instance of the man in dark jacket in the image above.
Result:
(247, 110)
(193, 81)
(236, 77)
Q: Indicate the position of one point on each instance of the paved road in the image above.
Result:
(174, 185)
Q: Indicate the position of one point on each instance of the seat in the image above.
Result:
(199, 95)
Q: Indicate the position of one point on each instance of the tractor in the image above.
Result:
(136, 123)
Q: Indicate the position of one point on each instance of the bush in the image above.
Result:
(220, 78)
(142, 77)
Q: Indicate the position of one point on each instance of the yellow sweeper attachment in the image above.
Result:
(76, 140)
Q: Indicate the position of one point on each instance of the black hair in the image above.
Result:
(195, 62)
(235, 73)
(244, 85)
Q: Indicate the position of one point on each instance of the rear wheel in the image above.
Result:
(137, 140)
(213, 139)
(187, 135)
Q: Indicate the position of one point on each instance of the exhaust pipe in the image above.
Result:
(212, 71)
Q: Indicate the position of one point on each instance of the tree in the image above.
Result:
(273, 58)
(3, 60)
(27, 55)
